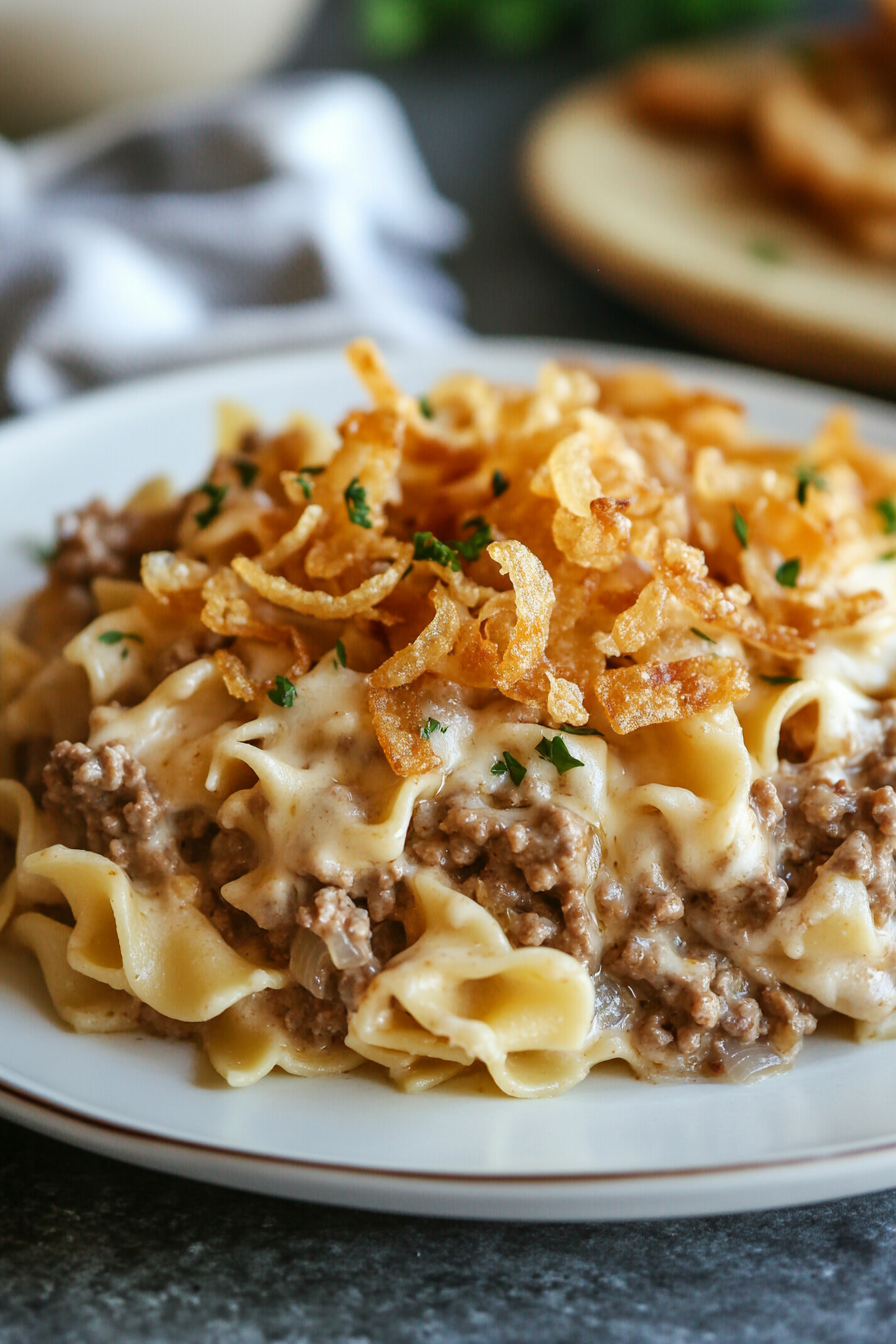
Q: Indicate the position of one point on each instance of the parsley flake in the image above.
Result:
(788, 573)
(500, 483)
(302, 479)
(739, 523)
(39, 553)
(510, 765)
(580, 732)
(407, 572)
(356, 503)
(116, 636)
(702, 635)
(247, 472)
(432, 726)
(783, 680)
(555, 750)
(887, 510)
(806, 476)
(284, 693)
(472, 547)
(888, 555)
(426, 409)
(216, 495)
(428, 547)
(339, 660)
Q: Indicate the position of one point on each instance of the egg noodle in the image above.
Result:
(515, 728)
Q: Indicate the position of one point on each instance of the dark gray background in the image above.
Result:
(94, 1252)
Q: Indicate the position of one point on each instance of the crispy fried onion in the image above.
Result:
(634, 697)
(567, 475)
(227, 612)
(425, 652)
(565, 703)
(534, 594)
(683, 571)
(282, 593)
(167, 574)
(599, 541)
(843, 611)
(291, 541)
(642, 622)
(242, 686)
(396, 714)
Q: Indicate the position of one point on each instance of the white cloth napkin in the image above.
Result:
(291, 214)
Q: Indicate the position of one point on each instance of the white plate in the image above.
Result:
(611, 1148)
(685, 229)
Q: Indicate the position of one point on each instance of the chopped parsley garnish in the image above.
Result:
(500, 483)
(39, 552)
(770, 250)
(284, 693)
(888, 555)
(702, 635)
(426, 409)
(510, 765)
(116, 636)
(303, 481)
(407, 572)
(782, 680)
(428, 547)
(432, 726)
(472, 547)
(580, 732)
(739, 523)
(788, 573)
(806, 476)
(555, 750)
(247, 472)
(216, 495)
(887, 510)
(339, 660)
(356, 504)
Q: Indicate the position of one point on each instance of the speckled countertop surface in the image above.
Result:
(95, 1252)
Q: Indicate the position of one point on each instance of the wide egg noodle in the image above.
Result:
(247, 1041)
(86, 1004)
(32, 831)
(325, 801)
(155, 945)
(461, 993)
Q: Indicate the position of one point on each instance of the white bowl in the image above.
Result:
(62, 59)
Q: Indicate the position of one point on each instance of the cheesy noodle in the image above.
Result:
(510, 729)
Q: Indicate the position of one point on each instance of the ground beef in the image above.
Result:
(311, 1022)
(529, 867)
(232, 855)
(106, 804)
(692, 997)
(95, 541)
(184, 651)
(844, 811)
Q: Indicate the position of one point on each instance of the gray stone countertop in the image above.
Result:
(96, 1252)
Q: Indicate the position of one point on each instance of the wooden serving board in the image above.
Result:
(685, 230)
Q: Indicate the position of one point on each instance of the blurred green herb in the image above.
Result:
(518, 28)
(247, 472)
(356, 504)
(216, 494)
(788, 572)
(806, 476)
